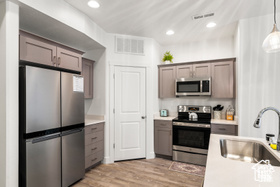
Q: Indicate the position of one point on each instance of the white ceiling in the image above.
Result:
(152, 18)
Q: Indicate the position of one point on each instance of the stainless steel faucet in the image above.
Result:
(257, 123)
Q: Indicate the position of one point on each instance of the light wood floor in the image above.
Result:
(134, 173)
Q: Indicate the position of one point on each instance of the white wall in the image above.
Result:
(148, 61)
(202, 50)
(97, 105)
(67, 14)
(258, 74)
(9, 20)
(198, 51)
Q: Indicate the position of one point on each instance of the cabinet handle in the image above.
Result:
(93, 159)
(222, 129)
(54, 60)
(59, 60)
(93, 129)
(162, 124)
(94, 148)
(194, 74)
(94, 138)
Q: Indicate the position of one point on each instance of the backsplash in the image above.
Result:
(172, 103)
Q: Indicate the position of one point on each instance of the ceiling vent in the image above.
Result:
(129, 46)
(203, 16)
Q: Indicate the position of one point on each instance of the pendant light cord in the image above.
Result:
(274, 11)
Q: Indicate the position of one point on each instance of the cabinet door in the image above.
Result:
(163, 137)
(201, 70)
(167, 82)
(222, 79)
(184, 71)
(38, 51)
(68, 59)
(87, 73)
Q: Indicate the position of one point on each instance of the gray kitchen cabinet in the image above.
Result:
(163, 137)
(224, 129)
(201, 70)
(94, 145)
(193, 70)
(184, 71)
(69, 59)
(167, 81)
(222, 74)
(42, 51)
(87, 73)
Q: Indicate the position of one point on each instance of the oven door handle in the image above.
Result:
(191, 125)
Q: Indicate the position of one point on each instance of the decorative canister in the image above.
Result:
(217, 114)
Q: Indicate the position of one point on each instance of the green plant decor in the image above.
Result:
(167, 57)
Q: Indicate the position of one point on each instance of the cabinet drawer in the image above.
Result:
(162, 123)
(94, 137)
(223, 129)
(93, 148)
(94, 158)
(94, 128)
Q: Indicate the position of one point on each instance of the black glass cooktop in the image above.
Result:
(187, 120)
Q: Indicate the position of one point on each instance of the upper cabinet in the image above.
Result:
(193, 70)
(42, 51)
(223, 79)
(184, 71)
(167, 81)
(201, 70)
(220, 71)
(87, 73)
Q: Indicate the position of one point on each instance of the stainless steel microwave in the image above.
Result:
(193, 86)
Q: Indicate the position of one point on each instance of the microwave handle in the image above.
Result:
(201, 86)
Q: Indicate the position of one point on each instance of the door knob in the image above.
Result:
(143, 117)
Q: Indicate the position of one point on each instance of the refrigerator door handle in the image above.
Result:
(65, 133)
(43, 138)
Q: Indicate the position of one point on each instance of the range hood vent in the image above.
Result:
(203, 16)
(129, 45)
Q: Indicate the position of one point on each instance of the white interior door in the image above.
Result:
(130, 111)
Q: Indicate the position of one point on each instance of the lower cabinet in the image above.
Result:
(224, 129)
(163, 137)
(94, 144)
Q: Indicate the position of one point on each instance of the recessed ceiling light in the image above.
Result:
(211, 24)
(170, 32)
(93, 4)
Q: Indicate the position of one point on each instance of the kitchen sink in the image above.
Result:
(246, 151)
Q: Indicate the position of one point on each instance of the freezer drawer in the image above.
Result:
(43, 162)
(72, 100)
(42, 101)
(73, 156)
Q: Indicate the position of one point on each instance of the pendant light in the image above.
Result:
(271, 44)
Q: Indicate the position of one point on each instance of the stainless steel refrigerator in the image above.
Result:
(51, 127)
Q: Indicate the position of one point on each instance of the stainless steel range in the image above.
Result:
(191, 133)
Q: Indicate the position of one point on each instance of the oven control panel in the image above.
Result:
(190, 108)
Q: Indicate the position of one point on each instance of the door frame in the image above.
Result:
(145, 105)
(110, 132)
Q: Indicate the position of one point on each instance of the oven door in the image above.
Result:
(191, 137)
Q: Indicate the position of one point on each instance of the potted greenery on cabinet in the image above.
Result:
(167, 57)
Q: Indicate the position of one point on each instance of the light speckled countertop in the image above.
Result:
(92, 119)
(168, 118)
(221, 172)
